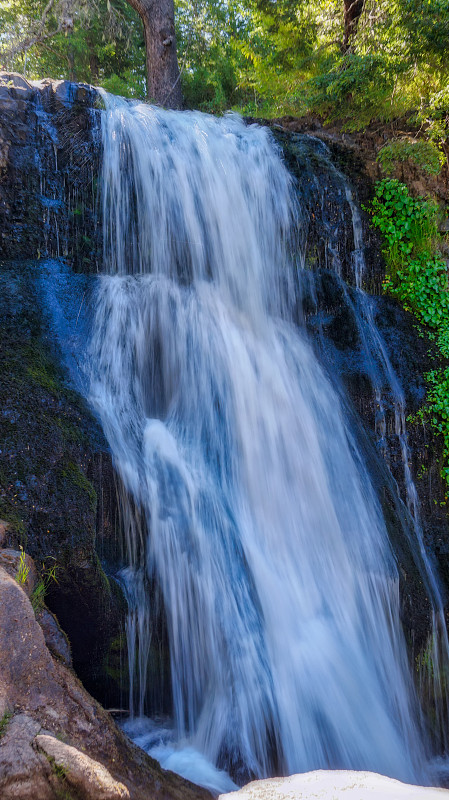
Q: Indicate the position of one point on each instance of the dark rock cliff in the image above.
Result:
(49, 159)
(57, 487)
(58, 497)
(350, 329)
(56, 483)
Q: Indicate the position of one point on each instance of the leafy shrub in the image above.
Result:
(362, 81)
(422, 286)
(417, 275)
(434, 116)
(408, 224)
(437, 408)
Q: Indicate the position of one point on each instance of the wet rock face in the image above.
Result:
(55, 740)
(57, 484)
(57, 490)
(333, 178)
(329, 314)
(49, 156)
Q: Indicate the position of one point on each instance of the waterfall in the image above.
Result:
(249, 508)
(433, 688)
(331, 227)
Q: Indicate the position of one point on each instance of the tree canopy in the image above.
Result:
(261, 57)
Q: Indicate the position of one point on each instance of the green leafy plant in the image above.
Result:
(408, 224)
(434, 116)
(417, 276)
(437, 407)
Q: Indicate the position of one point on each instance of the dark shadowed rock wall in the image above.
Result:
(50, 146)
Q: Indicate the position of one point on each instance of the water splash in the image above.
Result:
(264, 535)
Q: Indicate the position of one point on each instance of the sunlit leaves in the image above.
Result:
(417, 275)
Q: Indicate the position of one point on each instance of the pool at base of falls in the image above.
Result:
(157, 738)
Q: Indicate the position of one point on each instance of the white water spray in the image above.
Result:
(264, 535)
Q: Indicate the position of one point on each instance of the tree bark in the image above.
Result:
(353, 12)
(163, 77)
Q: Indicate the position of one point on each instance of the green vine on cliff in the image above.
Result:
(417, 276)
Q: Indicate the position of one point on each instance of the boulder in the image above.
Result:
(88, 777)
(55, 740)
(20, 566)
(63, 92)
(18, 86)
(335, 785)
(24, 772)
(55, 638)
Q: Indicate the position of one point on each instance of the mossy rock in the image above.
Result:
(54, 462)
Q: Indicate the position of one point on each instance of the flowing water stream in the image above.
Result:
(256, 519)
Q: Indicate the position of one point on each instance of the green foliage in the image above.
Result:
(362, 82)
(59, 770)
(99, 43)
(408, 224)
(434, 116)
(437, 410)
(208, 35)
(23, 569)
(260, 57)
(72, 473)
(4, 722)
(424, 154)
(395, 64)
(417, 275)
(46, 578)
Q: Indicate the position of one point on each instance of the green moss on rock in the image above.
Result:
(53, 464)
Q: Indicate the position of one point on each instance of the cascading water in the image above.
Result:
(260, 527)
(434, 689)
(389, 400)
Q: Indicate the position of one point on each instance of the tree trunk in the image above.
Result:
(163, 78)
(71, 61)
(93, 62)
(353, 12)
